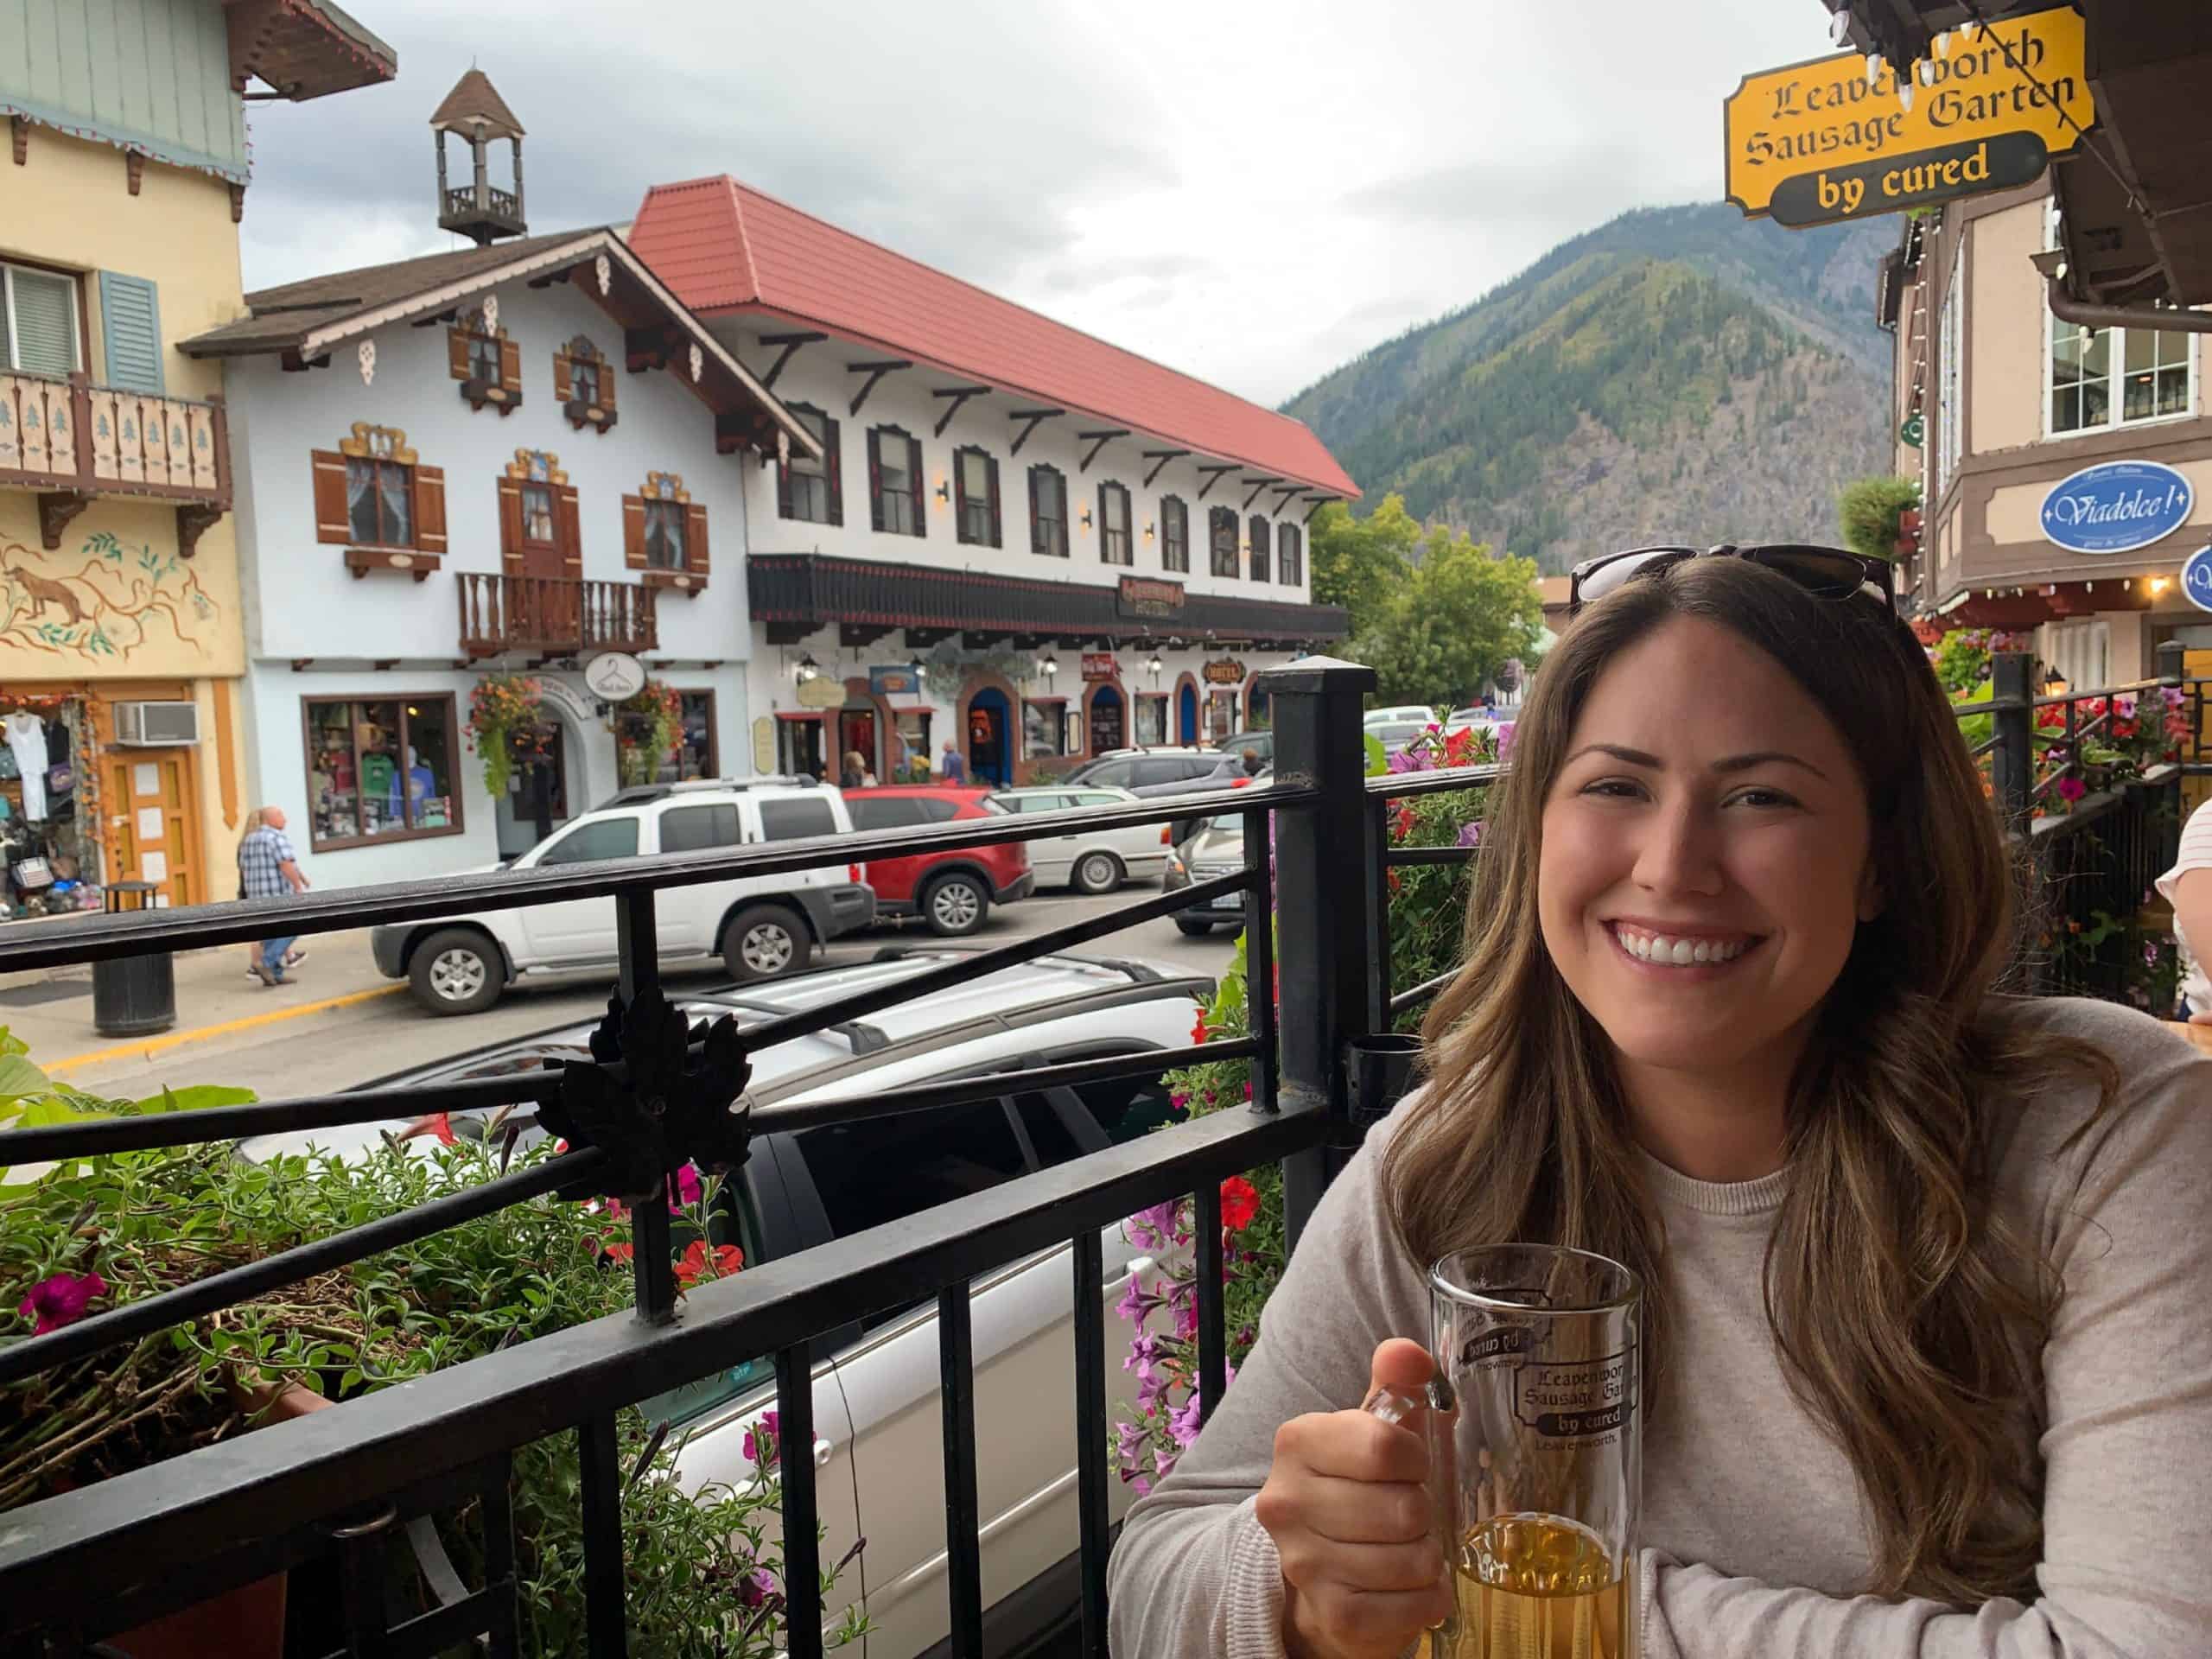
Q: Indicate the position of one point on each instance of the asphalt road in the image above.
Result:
(332, 1048)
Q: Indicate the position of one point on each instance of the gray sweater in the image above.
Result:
(1756, 1547)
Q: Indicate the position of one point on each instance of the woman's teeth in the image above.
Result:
(1661, 950)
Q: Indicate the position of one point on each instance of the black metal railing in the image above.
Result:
(77, 1569)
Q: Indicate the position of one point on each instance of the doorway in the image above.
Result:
(856, 734)
(154, 830)
(798, 746)
(1186, 715)
(537, 804)
(989, 736)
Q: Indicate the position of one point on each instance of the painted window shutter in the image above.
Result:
(511, 525)
(1036, 526)
(430, 509)
(510, 368)
(633, 531)
(563, 388)
(915, 484)
(131, 330)
(874, 479)
(833, 467)
(569, 528)
(991, 469)
(332, 521)
(783, 489)
(694, 539)
(606, 386)
(457, 353)
(960, 497)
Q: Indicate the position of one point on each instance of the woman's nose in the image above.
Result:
(1678, 849)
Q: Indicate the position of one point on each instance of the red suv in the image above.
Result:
(953, 891)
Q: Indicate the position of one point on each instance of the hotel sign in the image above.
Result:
(1149, 596)
(1821, 141)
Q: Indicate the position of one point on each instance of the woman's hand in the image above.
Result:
(1363, 1571)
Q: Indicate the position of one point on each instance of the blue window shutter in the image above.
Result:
(131, 330)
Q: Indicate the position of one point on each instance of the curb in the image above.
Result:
(153, 1045)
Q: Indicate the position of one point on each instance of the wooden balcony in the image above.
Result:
(74, 442)
(554, 616)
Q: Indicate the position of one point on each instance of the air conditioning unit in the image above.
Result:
(155, 725)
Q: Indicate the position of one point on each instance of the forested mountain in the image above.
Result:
(1679, 374)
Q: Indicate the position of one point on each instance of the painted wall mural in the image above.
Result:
(115, 601)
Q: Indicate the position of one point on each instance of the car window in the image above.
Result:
(1028, 803)
(615, 837)
(874, 1173)
(1204, 765)
(1114, 774)
(1163, 769)
(886, 812)
(790, 820)
(937, 809)
(1098, 800)
(699, 828)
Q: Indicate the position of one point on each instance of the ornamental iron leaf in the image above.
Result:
(675, 1105)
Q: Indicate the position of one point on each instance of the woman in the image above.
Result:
(2187, 888)
(1927, 1367)
(852, 770)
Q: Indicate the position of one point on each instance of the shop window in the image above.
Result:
(39, 311)
(1115, 545)
(1044, 730)
(911, 748)
(1048, 512)
(1260, 549)
(664, 533)
(51, 860)
(696, 755)
(798, 746)
(583, 384)
(381, 769)
(1290, 555)
(373, 493)
(690, 752)
(894, 475)
(1151, 720)
(1174, 533)
(807, 490)
(975, 506)
(1220, 537)
(487, 364)
(1221, 715)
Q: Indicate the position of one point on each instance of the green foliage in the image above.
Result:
(1452, 625)
(1868, 511)
(1362, 564)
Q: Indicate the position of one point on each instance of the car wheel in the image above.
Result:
(955, 904)
(457, 971)
(1098, 873)
(1195, 928)
(764, 942)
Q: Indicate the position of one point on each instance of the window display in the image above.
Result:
(50, 852)
(1043, 729)
(913, 729)
(381, 769)
(1151, 720)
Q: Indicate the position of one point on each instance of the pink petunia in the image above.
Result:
(61, 1299)
(2072, 789)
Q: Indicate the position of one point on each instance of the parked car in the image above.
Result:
(1090, 861)
(1215, 850)
(877, 1451)
(761, 927)
(1476, 720)
(1144, 769)
(1420, 713)
(1262, 743)
(1396, 734)
(951, 891)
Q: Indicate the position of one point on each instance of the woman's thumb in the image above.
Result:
(1401, 1366)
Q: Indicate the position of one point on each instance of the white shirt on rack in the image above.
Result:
(26, 735)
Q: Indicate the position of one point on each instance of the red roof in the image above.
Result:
(724, 247)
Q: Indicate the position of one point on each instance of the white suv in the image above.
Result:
(761, 927)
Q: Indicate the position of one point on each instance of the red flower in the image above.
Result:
(437, 1124)
(689, 1271)
(1240, 1202)
(618, 1252)
(1199, 1032)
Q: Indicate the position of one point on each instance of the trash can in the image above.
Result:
(133, 996)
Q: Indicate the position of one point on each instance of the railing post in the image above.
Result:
(2011, 764)
(1323, 926)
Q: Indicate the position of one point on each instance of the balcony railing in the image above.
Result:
(77, 1569)
(554, 616)
(463, 202)
(73, 441)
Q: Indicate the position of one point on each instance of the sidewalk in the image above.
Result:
(52, 1009)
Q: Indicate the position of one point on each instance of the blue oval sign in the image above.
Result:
(2117, 507)
(2196, 578)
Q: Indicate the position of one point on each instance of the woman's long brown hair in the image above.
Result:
(1909, 1315)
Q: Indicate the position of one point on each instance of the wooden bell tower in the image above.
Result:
(479, 210)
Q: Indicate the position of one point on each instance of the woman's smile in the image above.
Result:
(1673, 950)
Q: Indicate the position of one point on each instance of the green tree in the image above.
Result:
(1362, 564)
(1868, 510)
(1457, 617)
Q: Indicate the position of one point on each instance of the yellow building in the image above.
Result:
(121, 643)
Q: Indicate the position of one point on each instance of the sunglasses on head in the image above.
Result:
(1824, 572)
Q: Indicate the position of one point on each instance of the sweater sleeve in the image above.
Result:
(2128, 1448)
(1195, 1573)
(2194, 852)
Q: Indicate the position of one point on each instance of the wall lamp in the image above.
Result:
(807, 669)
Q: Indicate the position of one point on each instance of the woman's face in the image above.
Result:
(1705, 859)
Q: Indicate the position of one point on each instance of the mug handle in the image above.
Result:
(1397, 1409)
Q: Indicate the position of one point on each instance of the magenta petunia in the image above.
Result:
(763, 1451)
(2072, 789)
(61, 1300)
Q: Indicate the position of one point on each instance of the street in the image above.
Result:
(340, 1023)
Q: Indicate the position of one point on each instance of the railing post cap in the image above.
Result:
(1319, 674)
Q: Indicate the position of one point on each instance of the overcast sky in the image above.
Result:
(1250, 193)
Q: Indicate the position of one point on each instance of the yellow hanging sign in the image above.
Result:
(1823, 141)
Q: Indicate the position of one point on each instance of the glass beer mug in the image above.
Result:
(1535, 1451)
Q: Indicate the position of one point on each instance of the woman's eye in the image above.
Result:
(1617, 788)
(1763, 798)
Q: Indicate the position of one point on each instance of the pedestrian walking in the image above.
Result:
(269, 869)
(951, 767)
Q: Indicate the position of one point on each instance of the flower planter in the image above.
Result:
(247, 1622)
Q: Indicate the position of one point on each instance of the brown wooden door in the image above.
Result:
(153, 829)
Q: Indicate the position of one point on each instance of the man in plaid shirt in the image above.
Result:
(269, 869)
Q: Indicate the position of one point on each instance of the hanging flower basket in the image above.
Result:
(503, 715)
(646, 728)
